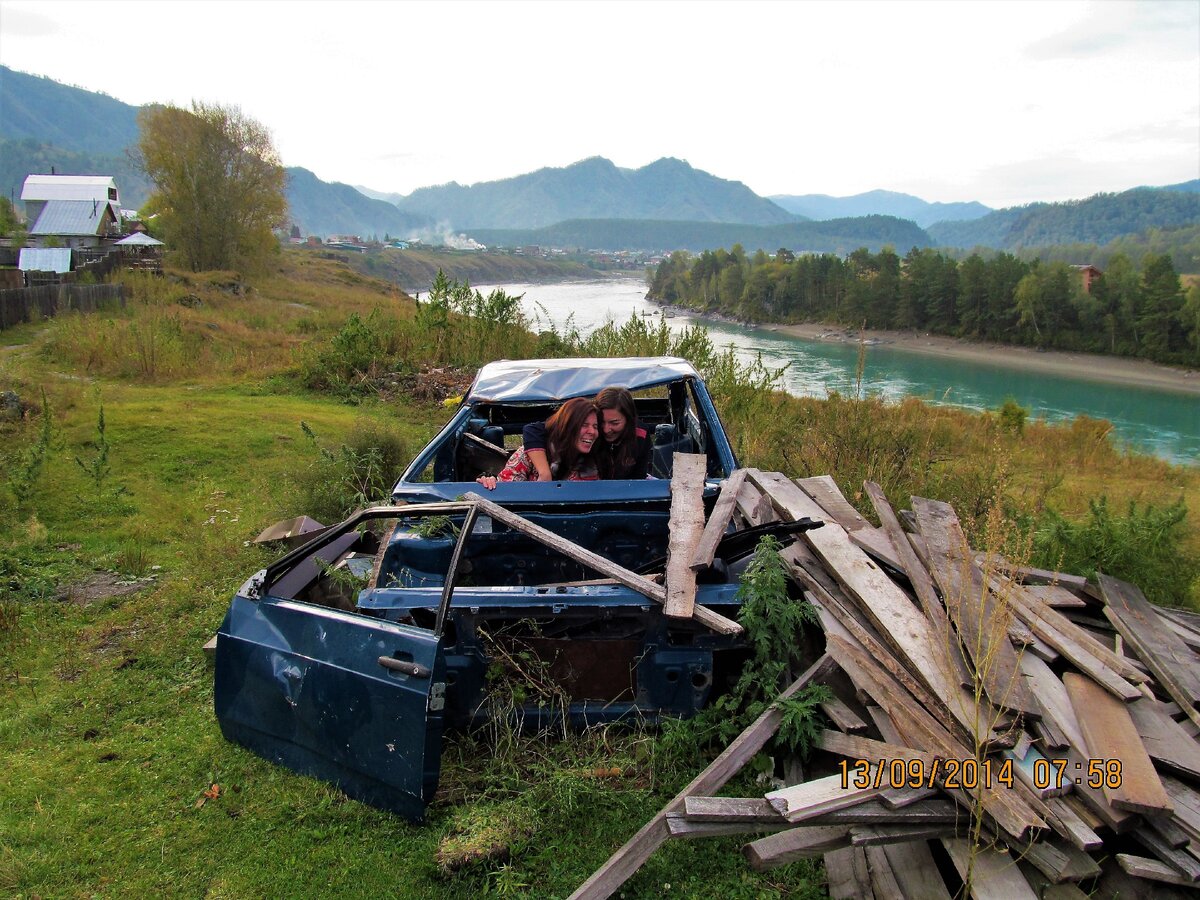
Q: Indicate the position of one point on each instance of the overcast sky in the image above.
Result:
(1004, 103)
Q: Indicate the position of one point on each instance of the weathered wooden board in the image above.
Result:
(629, 857)
(874, 835)
(718, 521)
(753, 507)
(1109, 733)
(919, 578)
(981, 621)
(994, 873)
(685, 529)
(883, 880)
(826, 494)
(842, 715)
(680, 826)
(894, 616)
(1060, 861)
(1156, 645)
(916, 727)
(1055, 595)
(1152, 869)
(848, 874)
(874, 812)
(916, 871)
(1057, 725)
(799, 802)
(1054, 627)
(1164, 738)
(802, 842)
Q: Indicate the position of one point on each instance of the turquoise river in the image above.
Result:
(1157, 421)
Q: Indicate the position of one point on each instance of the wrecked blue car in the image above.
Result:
(347, 658)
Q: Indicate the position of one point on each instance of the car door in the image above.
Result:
(348, 698)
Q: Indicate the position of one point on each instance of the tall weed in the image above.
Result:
(356, 473)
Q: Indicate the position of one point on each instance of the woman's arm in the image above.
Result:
(533, 439)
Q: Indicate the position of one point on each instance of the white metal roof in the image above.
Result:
(560, 379)
(71, 217)
(67, 187)
(45, 259)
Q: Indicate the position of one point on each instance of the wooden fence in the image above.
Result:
(31, 303)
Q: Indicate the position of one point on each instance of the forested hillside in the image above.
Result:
(668, 189)
(835, 236)
(1097, 220)
(1129, 312)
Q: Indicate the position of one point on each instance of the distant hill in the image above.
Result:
(68, 117)
(883, 203)
(1096, 220)
(325, 208)
(46, 125)
(1184, 187)
(834, 236)
(668, 189)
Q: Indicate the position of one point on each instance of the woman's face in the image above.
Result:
(588, 432)
(613, 423)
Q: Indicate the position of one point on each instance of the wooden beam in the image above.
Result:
(684, 530)
(631, 580)
(639, 848)
(718, 522)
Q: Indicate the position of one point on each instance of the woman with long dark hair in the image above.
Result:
(570, 435)
(626, 450)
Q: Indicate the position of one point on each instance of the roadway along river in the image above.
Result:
(1156, 421)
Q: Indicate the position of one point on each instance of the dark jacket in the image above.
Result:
(533, 437)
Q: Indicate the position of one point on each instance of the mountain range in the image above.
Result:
(668, 204)
(889, 203)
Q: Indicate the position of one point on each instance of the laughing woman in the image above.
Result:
(570, 434)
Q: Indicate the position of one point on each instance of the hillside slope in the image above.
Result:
(668, 189)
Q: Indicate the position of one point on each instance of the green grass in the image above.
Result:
(106, 721)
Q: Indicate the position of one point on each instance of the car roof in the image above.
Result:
(532, 380)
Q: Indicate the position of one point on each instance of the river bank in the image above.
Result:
(1089, 366)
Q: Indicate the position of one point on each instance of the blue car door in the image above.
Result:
(347, 698)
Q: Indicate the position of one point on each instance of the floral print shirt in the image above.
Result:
(520, 468)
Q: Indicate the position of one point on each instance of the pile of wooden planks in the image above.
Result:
(1015, 732)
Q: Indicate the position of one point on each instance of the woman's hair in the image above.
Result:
(562, 429)
(621, 457)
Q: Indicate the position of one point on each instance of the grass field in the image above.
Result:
(106, 723)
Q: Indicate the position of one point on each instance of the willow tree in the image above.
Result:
(218, 183)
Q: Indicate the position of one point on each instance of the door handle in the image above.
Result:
(408, 668)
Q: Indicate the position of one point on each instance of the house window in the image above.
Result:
(112, 193)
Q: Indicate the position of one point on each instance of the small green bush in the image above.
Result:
(1144, 547)
(357, 473)
(1012, 416)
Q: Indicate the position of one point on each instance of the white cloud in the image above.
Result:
(786, 97)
